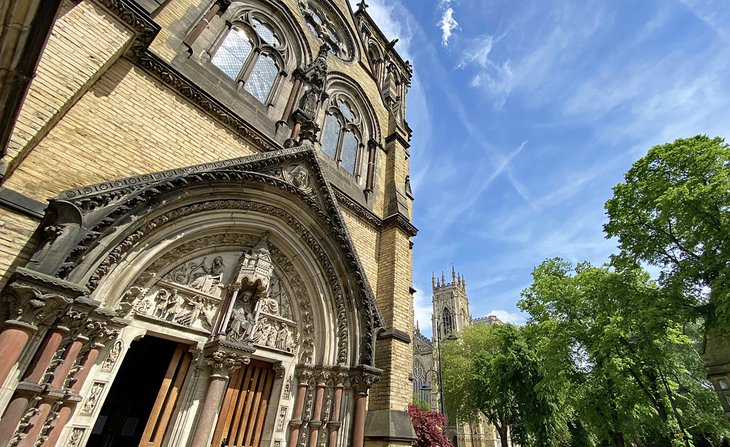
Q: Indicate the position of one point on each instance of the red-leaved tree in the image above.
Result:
(429, 426)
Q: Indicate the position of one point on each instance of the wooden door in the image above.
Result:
(157, 423)
(243, 412)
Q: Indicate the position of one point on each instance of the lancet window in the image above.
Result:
(341, 134)
(251, 51)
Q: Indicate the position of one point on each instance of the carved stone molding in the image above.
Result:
(135, 18)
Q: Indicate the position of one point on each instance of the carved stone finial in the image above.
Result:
(256, 267)
(362, 5)
(315, 77)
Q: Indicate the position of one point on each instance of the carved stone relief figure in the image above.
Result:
(208, 279)
(298, 176)
(281, 418)
(179, 306)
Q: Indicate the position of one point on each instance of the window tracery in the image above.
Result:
(342, 133)
(252, 52)
(324, 28)
(447, 322)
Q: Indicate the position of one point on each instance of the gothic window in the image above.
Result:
(322, 27)
(251, 51)
(447, 322)
(420, 386)
(341, 134)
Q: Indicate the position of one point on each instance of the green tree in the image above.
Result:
(673, 211)
(610, 337)
(492, 370)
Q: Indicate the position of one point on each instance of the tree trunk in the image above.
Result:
(503, 436)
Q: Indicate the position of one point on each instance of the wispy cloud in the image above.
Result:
(448, 24)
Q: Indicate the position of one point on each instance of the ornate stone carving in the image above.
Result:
(76, 437)
(364, 378)
(299, 176)
(281, 418)
(111, 358)
(287, 388)
(31, 305)
(255, 268)
(222, 362)
(95, 392)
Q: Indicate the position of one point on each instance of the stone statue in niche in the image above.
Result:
(209, 279)
(241, 324)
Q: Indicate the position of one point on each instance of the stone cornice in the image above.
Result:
(134, 17)
(371, 218)
(401, 222)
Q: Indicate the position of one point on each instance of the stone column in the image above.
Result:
(29, 306)
(100, 334)
(316, 422)
(334, 423)
(221, 362)
(295, 424)
(362, 380)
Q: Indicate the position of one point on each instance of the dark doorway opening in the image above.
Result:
(123, 417)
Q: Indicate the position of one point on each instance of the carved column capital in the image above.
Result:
(222, 363)
(304, 374)
(364, 377)
(35, 299)
(323, 377)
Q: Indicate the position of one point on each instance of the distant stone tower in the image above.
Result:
(451, 313)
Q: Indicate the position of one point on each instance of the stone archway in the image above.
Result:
(242, 260)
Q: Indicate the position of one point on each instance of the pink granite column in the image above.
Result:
(315, 423)
(34, 375)
(68, 407)
(296, 417)
(221, 364)
(335, 423)
(46, 406)
(13, 338)
(358, 421)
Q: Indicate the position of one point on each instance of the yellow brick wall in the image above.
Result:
(84, 41)
(126, 124)
(366, 239)
(16, 243)
(171, 15)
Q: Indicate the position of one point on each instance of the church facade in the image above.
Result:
(206, 227)
(450, 315)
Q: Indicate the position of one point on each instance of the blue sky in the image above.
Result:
(526, 113)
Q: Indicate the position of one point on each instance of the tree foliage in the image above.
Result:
(493, 370)
(429, 426)
(611, 338)
(673, 211)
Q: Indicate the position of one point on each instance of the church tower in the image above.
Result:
(451, 313)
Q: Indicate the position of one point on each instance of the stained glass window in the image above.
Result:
(232, 53)
(262, 78)
(330, 135)
(349, 151)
